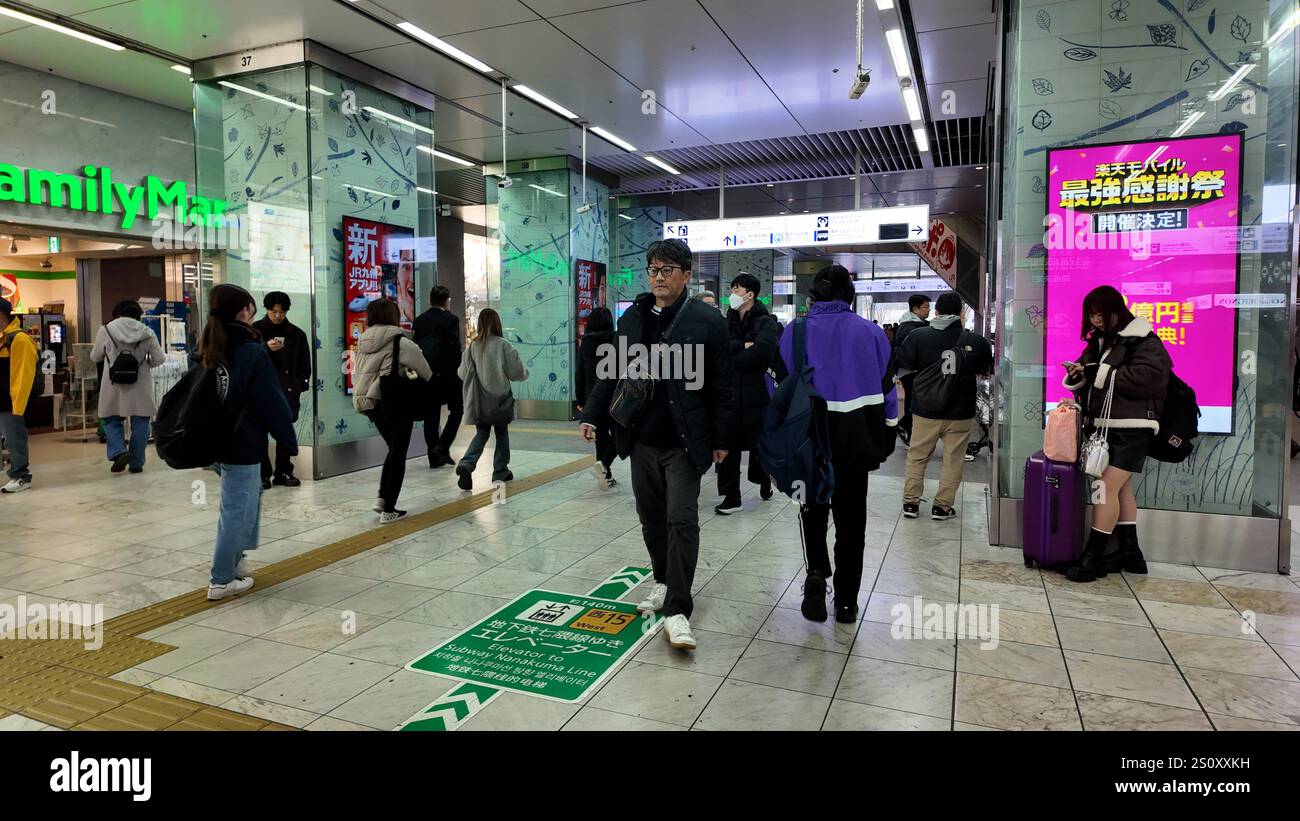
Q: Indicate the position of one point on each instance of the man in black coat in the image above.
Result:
(681, 428)
(755, 336)
(437, 332)
(291, 355)
(917, 316)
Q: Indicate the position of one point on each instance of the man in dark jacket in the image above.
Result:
(682, 427)
(291, 355)
(956, 354)
(437, 332)
(918, 312)
(755, 335)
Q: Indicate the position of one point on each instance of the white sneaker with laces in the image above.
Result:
(390, 516)
(654, 600)
(242, 570)
(217, 592)
(677, 629)
(16, 486)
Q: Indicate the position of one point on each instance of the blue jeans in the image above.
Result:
(13, 429)
(241, 509)
(113, 430)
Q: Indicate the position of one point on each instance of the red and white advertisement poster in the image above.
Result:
(378, 263)
(940, 251)
(589, 290)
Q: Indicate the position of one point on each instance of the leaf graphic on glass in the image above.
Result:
(1244, 56)
(352, 195)
(278, 148)
(248, 153)
(1038, 186)
(1042, 119)
(247, 111)
(1235, 100)
(233, 135)
(352, 131)
(1232, 127)
(1213, 13)
(1109, 110)
(1044, 20)
(1119, 10)
(295, 168)
(396, 204)
(1043, 87)
(334, 106)
(333, 144)
(1079, 54)
(1193, 5)
(1164, 34)
(1240, 28)
(1035, 314)
(366, 158)
(1115, 82)
(1037, 250)
(1198, 68)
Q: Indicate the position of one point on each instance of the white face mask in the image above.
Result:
(735, 301)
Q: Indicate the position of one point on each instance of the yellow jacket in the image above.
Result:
(22, 365)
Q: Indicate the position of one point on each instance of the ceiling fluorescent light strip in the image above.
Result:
(46, 24)
(444, 155)
(320, 91)
(913, 103)
(884, 5)
(898, 51)
(257, 93)
(922, 139)
(546, 101)
(665, 166)
(547, 190)
(445, 47)
(608, 137)
(384, 115)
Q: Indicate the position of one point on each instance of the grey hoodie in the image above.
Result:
(127, 334)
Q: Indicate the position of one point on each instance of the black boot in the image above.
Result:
(1129, 556)
(1092, 564)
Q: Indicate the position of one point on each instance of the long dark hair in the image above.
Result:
(831, 283)
(1108, 302)
(599, 320)
(489, 324)
(225, 303)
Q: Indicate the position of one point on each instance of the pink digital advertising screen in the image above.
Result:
(1159, 221)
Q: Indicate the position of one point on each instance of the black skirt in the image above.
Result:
(1128, 447)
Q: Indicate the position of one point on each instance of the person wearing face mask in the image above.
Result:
(755, 335)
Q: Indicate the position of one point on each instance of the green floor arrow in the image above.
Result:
(459, 704)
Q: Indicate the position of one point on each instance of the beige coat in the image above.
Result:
(374, 359)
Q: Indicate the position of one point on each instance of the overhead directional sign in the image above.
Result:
(903, 223)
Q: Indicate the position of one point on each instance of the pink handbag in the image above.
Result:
(1061, 436)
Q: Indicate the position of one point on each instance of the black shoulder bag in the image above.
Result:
(632, 394)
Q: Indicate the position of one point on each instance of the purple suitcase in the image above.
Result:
(1053, 513)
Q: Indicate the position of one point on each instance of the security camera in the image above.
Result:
(504, 182)
(585, 207)
(860, 84)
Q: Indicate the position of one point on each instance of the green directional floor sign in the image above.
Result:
(553, 645)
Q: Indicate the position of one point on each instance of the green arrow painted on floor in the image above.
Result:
(463, 701)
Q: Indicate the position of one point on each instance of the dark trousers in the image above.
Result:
(500, 454)
(849, 508)
(666, 486)
(605, 450)
(728, 470)
(396, 430)
(443, 391)
(905, 418)
(283, 463)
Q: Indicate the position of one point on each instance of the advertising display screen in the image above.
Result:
(1159, 221)
(378, 263)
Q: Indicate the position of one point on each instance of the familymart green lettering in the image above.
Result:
(97, 192)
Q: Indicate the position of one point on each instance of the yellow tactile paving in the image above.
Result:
(61, 683)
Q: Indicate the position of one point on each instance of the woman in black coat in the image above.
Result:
(599, 332)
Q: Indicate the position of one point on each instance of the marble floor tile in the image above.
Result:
(322, 683)
(395, 643)
(725, 616)
(246, 665)
(591, 719)
(1112, 639)
(1000, 573)
(897, 686)
(255, 616)
(1247, 658)
(1010, 660)
(790, 627)
(1109, 713)
(1272, 602)
(1261, 699)
(1277, 629)
(271, 711)
(1009, 596)
(400, 695)
(1026, 628)
(324, 629)
(878, 640)
(657, 692)
(503, 582)
(518, 712)
(852, 716)
(193, 644)
(1072, 604)
(1231, 724)
(715, 654)
(1242, 578)
(742, 706)
(1014, 705)
(331, 724)
(1129, 678)
(454, 610)
(1177, 591)
(324, 589)
(788, 667)
(1187, 618)
(742, 587)
(193, 691)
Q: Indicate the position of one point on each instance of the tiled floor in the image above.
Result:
(1170, 650)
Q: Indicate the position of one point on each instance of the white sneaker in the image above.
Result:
(677, 629)
(654, 601)
(17, 486)
(242, 570)
(217, 592)
(601, 478)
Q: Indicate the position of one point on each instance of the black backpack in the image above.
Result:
(125, 368)
(794, 445)
(192, 424)
(1178, 426)
(936, 391)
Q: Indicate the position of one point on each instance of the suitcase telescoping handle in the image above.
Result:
(1054, 510)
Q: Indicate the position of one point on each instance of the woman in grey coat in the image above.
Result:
(120, 395)
(487, 368)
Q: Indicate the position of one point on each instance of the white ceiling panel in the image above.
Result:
(428, 69)
(62, 8)
(696, 74)
(519, 147)
(521, 115)
(949, 55)
(968, 98)
(807, 52)
(446, 17)
(451, 124)
(544, 58)
(555, 8)
(928, 15)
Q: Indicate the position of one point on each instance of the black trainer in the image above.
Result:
(814, 597)
(466, 480)
(765, 492)
(727, 507)
(288, 480)
(120, 462)
(846, 613)
(940, 514)
(137, 469)
(911, 510)
(266, 483)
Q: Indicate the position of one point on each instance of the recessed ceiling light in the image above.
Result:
(616, 140)
(771, 185)
(46, 24)
(913, 104)
(444, 155)
(445, 47)
(922, 139)
(546, 101)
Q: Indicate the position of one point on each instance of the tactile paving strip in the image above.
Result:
(60, 682)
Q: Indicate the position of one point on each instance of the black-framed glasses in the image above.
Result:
(661, 271)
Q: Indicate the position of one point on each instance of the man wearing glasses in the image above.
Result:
(680, 429)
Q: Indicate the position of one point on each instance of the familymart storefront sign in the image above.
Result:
(94, 191)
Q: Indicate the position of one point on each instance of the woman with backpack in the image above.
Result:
(251, 399)
(599, 332)
(390, 383)
(856, 398)
(488, 366)
(128, 349)
(1123, 357)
